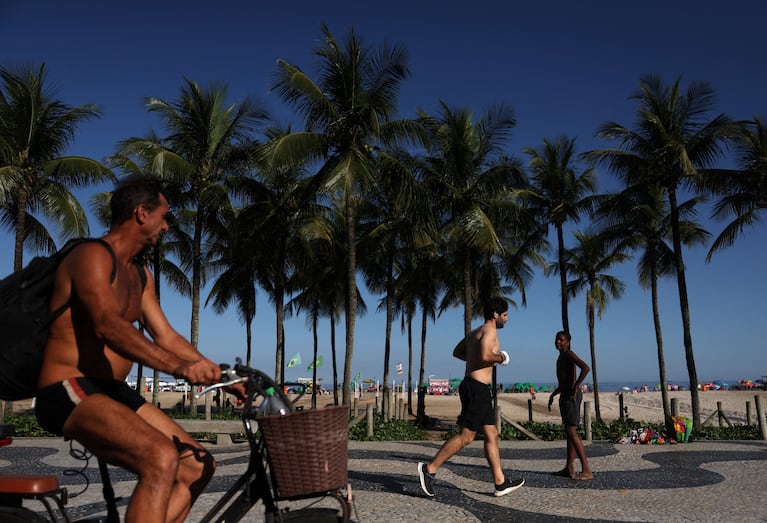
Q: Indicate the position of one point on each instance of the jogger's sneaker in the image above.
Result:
(508, 486)
(427, 480)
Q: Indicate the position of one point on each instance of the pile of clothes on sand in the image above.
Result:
(646, 436)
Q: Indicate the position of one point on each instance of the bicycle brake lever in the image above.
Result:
(238, 379)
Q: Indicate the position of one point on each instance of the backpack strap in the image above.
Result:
(141, 266)
(111, 252)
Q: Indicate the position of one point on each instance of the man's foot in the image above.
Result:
(427, 480)
(508, 486)
(583, 476)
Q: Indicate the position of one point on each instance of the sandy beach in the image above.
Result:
(641, 406)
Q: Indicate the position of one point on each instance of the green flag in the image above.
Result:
(315, 363)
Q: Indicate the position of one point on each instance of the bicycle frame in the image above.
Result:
(254, 478)
(255, 484)
(47, 491)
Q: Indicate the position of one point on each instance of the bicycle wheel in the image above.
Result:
(20, 515)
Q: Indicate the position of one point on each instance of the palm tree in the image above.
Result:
(423, 277)
(394, 221)
(232, 259)
(405, 306)
(674, 142)
(310, 299)
(318, 287)
(35, 129)
(559, 194)
(639, 218)
(587, 261)
(745, 191)
(207, 140)
(284, 212)
(470, 181)
(345, 112)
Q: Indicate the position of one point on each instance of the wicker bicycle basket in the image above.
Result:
(307, 450)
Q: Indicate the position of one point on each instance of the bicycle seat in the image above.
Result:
(31, 484)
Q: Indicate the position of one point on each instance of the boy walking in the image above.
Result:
(570, 398)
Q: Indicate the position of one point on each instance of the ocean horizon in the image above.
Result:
(613, 386)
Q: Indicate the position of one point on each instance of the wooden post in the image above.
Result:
(587, 420)
(369, 413)
(748, 413)
(621, 410)
(498, 420)
(719, 412)
(760, 417)
(674, 406)
(207, 407)
(530, 410)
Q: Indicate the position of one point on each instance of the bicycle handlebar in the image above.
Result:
(257, 380)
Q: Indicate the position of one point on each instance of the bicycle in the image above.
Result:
(294, 455)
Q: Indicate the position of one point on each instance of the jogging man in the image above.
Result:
(480, 352)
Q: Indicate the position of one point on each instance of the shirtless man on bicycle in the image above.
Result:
(92, 346)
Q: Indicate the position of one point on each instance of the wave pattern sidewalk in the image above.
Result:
(701, 481)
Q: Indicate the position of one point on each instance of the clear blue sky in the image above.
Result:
(565, 67)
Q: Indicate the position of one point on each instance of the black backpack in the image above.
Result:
(25, 319)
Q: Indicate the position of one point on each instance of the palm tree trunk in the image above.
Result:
(6, 408)
(661, 358)
(385, 404)
(248, 343)
(279, 313)
(156, 265)
(421, 409)
(592, 345)
(333, 352)
(685, 308)
(351, 295)
(314, 366)
(410, 364)
(467, 302)
(21, 224)
(196, 279)
(562, 277)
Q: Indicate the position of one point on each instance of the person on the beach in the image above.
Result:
(92, 346)
(479, 349)
(570, 397)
